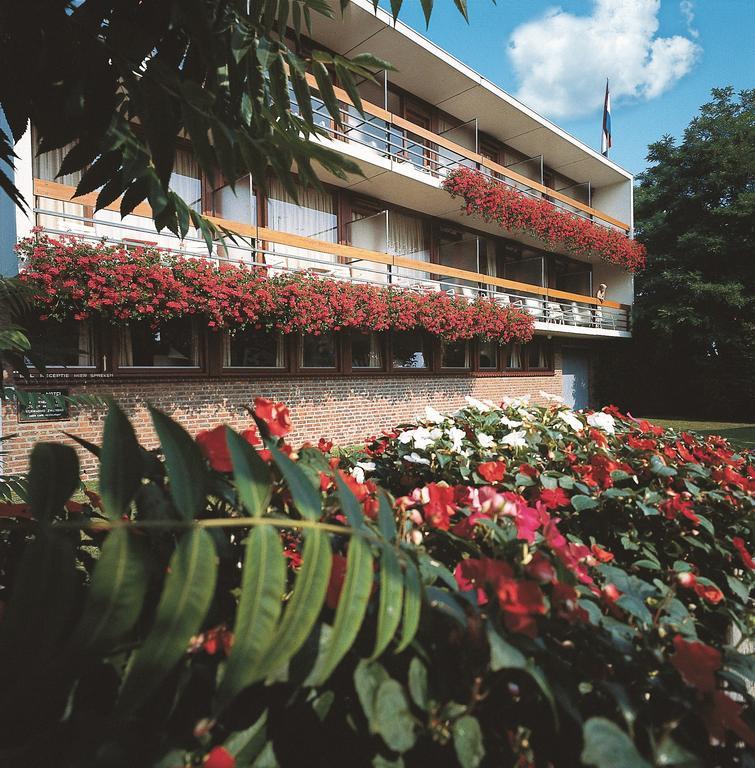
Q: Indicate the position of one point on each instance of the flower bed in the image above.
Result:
(514, 211)
(540, 587)
(77, 279)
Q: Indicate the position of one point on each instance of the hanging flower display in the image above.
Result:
(74, 278)
(487, 198)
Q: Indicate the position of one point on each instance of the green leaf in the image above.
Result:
(262, 585)
(185, 600)
(306, 497)
(386, 518)
(251, 475)
(185, 465)
(120, 464)
(418, 683)
(412, 606)
(368, 677)
(738, 588)
(304, 606)
(581, 502)
(53, 477)
(247, 744)
(352, 606)
(607, 746)
(669, 753)
(393, 718)
(391, 600)
(115, 596)
(468, 741)
(503, 655)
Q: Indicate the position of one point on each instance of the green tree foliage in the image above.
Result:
(695, 303)
(123, 81)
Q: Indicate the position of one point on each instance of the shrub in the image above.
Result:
(536, 587)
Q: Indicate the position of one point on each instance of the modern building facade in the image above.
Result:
(395, 226)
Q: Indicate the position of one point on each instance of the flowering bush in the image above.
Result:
(77, 279)
(517, 212)
(538, 587)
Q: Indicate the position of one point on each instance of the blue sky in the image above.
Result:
(663, 56)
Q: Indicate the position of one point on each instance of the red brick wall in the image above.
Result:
(346, 409)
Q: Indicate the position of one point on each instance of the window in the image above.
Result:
(172, 344)
(253, 349)
(408, 236)
(537, 355)
(185, 180)
(410, 350)
(458, 249)
(238, 203)
(69, 344)
(366, 350)
(488, 355)
(534, 356)
(514, 359)
(454, 354)
(318, 351)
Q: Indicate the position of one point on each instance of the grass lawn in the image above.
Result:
(742, 435)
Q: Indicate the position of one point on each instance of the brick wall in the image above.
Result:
(346, 409)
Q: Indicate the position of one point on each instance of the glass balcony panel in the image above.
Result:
(369, 231)
(408, 236)
(458, 249)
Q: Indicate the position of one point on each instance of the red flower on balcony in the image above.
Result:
(514, 211)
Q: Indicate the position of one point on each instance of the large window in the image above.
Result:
(253, 349)
(312, 215)
(489, 353)
(411, 350)
(318, 351)
(366, 350)
(185, 180)
(68, 344)
(172, 344)
(454, 354)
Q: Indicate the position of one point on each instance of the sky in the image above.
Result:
(662, 58)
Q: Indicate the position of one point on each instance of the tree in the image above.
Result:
(695, 303)
(123, 81)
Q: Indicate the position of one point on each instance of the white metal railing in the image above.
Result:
(556, 312)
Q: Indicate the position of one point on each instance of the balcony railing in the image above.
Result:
(59, 213)
(402, 141)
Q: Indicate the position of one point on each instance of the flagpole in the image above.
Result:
(605, 138)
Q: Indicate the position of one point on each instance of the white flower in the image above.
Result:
(406, 437)
(551, 398)
(358, 474)
(509, 423)
(602, 421)
(421, 437)
(515, 439)
(435, 416)
(415, 458)
(485, 441)
(367, 466)
(477, 404)
(569, 418)
(516, 402)
(456, 435)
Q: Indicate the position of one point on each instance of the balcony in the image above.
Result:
(376, 255)
(382, 134)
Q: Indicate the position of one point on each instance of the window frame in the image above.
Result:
(217, 340)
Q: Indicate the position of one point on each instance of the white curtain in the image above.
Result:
(313, 216)
(407, 237)
(369, 232)
(86, 344)
(515, 356)
(185, 180)
(46, 167)
(126, 348)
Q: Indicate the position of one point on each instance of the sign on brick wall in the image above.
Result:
(44, 405)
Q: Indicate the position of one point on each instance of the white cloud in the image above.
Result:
(562, 60)
(687, 7)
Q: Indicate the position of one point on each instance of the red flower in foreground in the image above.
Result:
(219, 757)
(335, 585)
(723, 714)
(492, 471)
(697, 663)
(709, 592)
(440, 505)
(739, 545)
(602, 555)
(212, 443)
(553, 498)
(275, 415)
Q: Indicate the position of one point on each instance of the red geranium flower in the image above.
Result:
(275, 415)
(212, 443)
(440, 505)
(697, 663)
(602, 555)
(739, 545)
(492, 471)
(709, 592)
(219, 757)
(554, 498)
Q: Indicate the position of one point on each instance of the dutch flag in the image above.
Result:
(605, 139)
